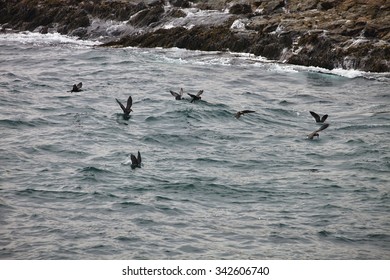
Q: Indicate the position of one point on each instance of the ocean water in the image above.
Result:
(211, 186)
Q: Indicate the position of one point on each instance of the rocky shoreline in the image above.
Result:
(348, 34)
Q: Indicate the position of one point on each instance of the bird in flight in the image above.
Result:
(178, 96)
(315, 133)
(239, 113)
(77, 88)
(136, 161)
(318, 118)
(127, 109)
(195, 97)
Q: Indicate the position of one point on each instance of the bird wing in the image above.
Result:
(311, 135)
(134, 160)
(120, 104)
(325, 125)
(129, 103)
(175, 94)
(139, 158)
(315, 115)
(324, 117)
(199, 93)
(190, 94)
(181, 91)
(79, 85)
(247, 111)
(74, 88)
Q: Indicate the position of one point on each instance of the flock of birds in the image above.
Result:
(136, 160)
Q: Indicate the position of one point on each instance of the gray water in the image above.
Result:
(211, 186)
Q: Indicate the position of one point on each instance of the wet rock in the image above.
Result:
(327, 5)
(176, 13)
(240, 9)
(148, 16)
(326, 33)
(180, 3)
(79, 32)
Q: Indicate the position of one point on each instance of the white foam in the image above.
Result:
(238, 24)
(197, 17)
(35, 38)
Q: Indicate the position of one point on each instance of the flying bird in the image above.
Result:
(318, 118)
(136, 161)
(77, 88)
(195, 97)
(127, 109)
(315, 133)
(239, 113)
(178, 96)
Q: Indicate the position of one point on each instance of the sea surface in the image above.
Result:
(211, 186)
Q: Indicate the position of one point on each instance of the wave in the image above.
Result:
(227, 58)
(182, 56)
(49, 39)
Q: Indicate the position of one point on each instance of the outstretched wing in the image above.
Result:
(247, 111)
(325, 125)
(134, 160)
(175, 94)
(79, 85)
(129, 103)
(316, 116)
(120, 104)
(324, 117)
(181, 92)
(315, 133)
(139, 158)
(199, 93)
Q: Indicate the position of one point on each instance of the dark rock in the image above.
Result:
(325, 33)
(240, 9)
(271, 45)
(327, 5)
(271, 6)
(79, 32)
(176, 13)
(370, 32)
(180, 3)
(147, 16)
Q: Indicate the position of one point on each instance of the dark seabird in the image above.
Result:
(315, 133)
(238, 114)
(317, 117)
(77, 88)
(178, 96)
(128, 109)
(195, 97)
(136, 161)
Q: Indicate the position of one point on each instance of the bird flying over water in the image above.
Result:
(318, 118)
(178, 96)
(195, 97)
(127, 109)
(77, 88)
(315, 133)
(239, 113)
(136, 161)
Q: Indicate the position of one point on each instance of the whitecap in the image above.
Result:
(49, 39)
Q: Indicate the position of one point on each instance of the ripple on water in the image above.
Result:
(208, 180)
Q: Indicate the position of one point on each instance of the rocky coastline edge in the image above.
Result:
(347, 34)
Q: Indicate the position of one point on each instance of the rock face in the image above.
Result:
(349, 34)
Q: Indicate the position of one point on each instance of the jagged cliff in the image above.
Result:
(350, 34)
